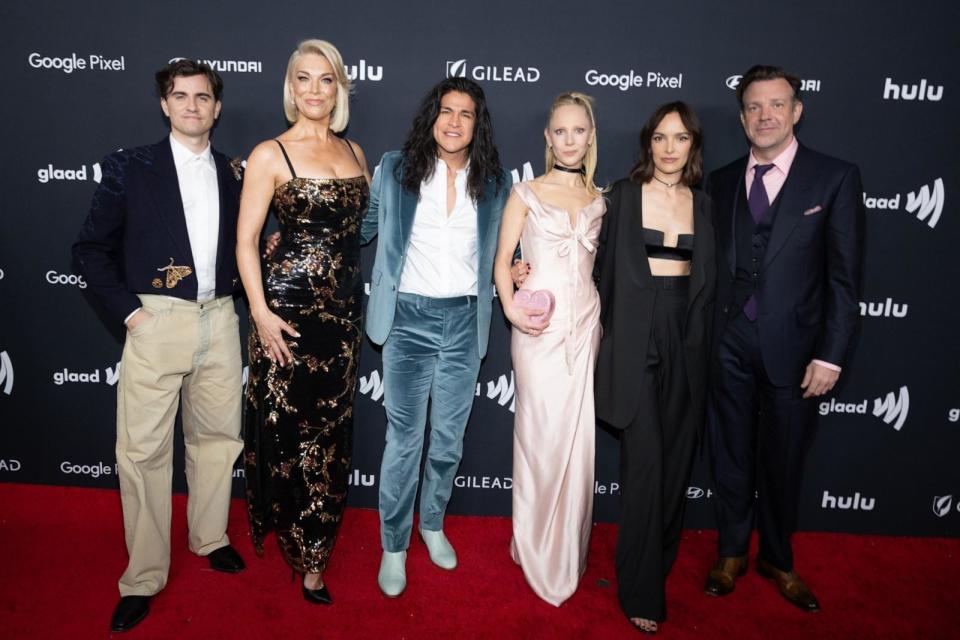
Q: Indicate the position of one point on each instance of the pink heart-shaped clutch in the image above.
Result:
(541, 301)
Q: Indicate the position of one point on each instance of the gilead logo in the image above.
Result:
(10, 465)
(942, 504)
(484, 73)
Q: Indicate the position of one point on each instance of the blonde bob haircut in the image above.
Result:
(341, 110)
(590, 159)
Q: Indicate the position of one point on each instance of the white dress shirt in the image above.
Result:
(441, 258)
(197, 175)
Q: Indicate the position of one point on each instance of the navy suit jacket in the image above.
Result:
(136, 228)
(390, 213)
(809, 290)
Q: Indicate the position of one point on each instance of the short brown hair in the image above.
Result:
(692, 172)
(767, 72)
(185, 68)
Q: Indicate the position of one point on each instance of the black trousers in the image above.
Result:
(656, 454)
(759, 435)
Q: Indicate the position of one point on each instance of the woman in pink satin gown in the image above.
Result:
(557, 219)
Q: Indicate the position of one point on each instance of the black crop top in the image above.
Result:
(653, 240)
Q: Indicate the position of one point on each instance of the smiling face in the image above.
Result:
(191, 107)
(453, 128)
(313, 87)
(670, 145)
(570, 134)
(768, 115)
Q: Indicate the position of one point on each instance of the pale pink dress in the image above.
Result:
(553, 433)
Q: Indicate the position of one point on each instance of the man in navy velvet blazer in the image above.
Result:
(157, 249)
(789, 224)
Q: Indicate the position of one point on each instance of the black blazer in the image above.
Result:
(627, 297)
(136, 227)
(810, 279)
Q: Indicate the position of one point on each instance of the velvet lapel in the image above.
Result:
(165, 191)
(792, 202)
(483, 221)
(407, 210)
(224, 176)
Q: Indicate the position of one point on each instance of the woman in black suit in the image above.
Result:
(656, 274)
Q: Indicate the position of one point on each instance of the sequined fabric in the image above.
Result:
(298, 419)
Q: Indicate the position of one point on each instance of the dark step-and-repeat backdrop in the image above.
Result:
(879, 80)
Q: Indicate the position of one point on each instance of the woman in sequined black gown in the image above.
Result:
(299, 401)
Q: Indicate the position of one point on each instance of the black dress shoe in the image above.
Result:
(316, 596)
(129, 611)
(226, 559)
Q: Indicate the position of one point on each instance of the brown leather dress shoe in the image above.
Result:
(724, 574)
(791, 586)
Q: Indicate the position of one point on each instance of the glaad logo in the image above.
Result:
(624, 81)
(363, 71)
(49, 173)
(6, 373)
(74, 62)
(235, 66)
(372, 386)
(501, 390)
(856, 502)
(61, 278)
(481, 73)
(885, 309)
(733, 82)
(110, 376)
(926, 203)
(892, 408)
(942, 505)
(527, 173)
(921, 92)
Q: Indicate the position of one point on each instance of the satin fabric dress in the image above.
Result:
(553, 435)
(299, 418)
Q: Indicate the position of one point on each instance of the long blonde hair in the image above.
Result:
(341, 111)
(590, 159)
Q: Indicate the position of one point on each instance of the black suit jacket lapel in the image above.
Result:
(701, 228)
(224, 179)
(792, 202)
(632, 207)
(165, 191)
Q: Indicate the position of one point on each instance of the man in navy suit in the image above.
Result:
(157, 249)
(789, 224)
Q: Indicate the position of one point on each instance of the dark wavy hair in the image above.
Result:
(185, 68)
(692, 172)
(767, 72)
(420, 149)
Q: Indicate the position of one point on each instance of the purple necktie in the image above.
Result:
(759, 204)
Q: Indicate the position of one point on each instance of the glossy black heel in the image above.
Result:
(314, 596)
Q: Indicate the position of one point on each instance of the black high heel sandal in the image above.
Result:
(313, 596)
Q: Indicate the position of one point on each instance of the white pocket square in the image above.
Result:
(813, 210)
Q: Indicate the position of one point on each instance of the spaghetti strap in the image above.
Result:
(287, 158)
(354, 153)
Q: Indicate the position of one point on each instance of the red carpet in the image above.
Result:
(64, 553)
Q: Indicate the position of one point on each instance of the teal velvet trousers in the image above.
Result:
(430, 360)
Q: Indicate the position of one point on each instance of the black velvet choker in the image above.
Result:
(560, 167)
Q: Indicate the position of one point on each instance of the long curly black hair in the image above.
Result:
(420, 149)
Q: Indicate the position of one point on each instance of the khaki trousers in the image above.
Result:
(190, 352)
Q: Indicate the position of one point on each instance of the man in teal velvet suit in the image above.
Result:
(436, 206)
